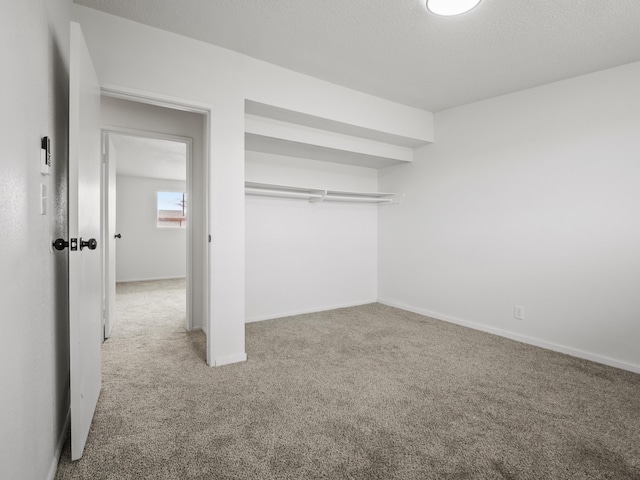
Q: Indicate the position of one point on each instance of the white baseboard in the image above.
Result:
(226, 360)
(292, 313)
(129, 280)
(53, 469)
(516, 336)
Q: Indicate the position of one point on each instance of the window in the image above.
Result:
(172, 209)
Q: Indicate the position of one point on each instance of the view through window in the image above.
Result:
(172, 209)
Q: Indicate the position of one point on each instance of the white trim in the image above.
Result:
(53, 469)
(228, 359)
(516, 336)
(308, 310)
(134, 132)
(149, 279)
(153, 98)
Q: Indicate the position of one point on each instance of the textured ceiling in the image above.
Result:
(395, 49)
(150, 157)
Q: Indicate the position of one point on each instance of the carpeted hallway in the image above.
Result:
(367, 392)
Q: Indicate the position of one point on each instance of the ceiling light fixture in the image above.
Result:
(449, 8)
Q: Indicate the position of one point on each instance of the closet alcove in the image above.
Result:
(311, 216)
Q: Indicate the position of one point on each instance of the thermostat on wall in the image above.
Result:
(45, 156)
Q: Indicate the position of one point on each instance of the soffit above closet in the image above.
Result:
(275, 130)
(310, 151)
(298, 118)
(398, 51)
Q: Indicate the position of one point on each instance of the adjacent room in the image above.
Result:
(153, 160)
(302, 239)
(151, 224)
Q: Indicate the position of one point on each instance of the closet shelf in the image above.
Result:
(319, 195)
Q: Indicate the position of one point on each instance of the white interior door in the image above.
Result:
(85, 275)
(110, 235)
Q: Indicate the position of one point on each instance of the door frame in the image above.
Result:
(107, 131)
(187, 105)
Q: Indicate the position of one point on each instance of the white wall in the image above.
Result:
(530, 199)
(138, 116)
(146, 251)
(34, 351)
(301, 256)
(141, 58)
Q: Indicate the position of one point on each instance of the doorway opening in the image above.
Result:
(154, 206)
(147, 245)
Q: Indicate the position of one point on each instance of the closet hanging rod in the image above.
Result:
(282, 193)
(361, 199)
(321, 195)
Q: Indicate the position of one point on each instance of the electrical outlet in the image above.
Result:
(518, 312)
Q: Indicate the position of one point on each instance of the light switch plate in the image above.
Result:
(43, 199)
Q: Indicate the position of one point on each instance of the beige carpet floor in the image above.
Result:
(368, 392)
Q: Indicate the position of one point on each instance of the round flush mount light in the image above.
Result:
(449, 8)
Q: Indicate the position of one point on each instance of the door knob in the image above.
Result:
(91, 244)
(61, 244)
(117, 235)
